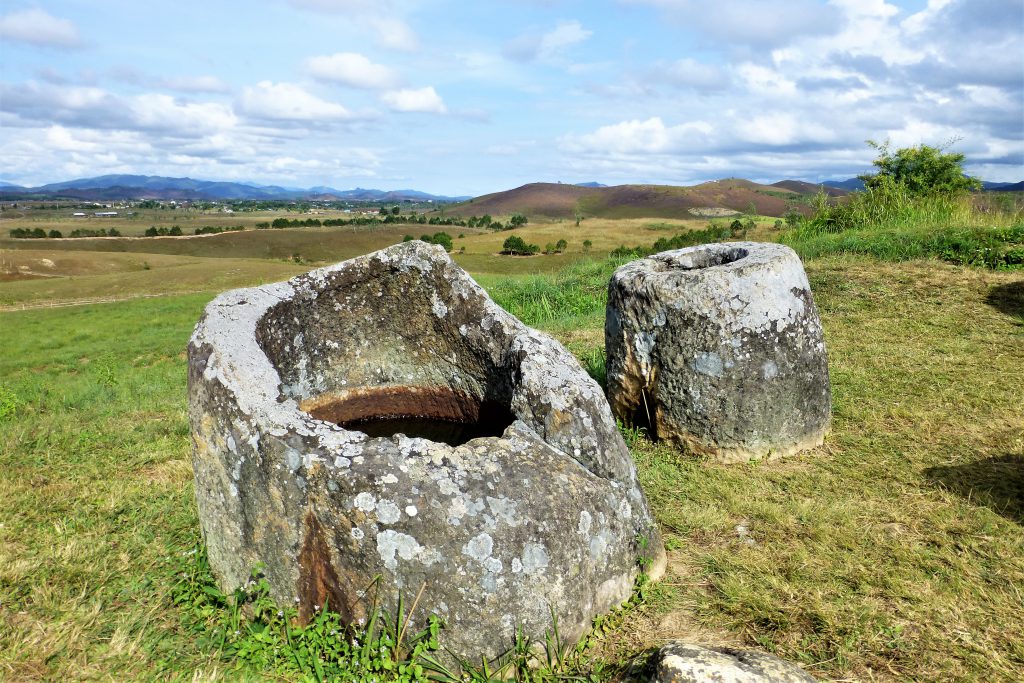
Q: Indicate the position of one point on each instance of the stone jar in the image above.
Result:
(718, 349)
(539, 511)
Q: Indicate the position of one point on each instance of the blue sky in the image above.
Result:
(468, 98)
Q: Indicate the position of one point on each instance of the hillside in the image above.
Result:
(553, 200)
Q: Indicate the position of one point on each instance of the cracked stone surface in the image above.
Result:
(546, 514)
(719, 349)
(679, 662)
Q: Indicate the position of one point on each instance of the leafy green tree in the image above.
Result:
(921, 169)
(395, 210)
(56, 234)
(561, 246)
(517, 220)
(587, 244)
(515, 245)
(444, 239)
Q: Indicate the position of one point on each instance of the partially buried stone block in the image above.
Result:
(719, 349)
(383, 417)
(679, 662)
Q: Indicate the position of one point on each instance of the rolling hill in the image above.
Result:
(555, 200)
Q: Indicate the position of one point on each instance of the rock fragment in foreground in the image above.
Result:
(719, 349)
(680, 662)
(518, 498)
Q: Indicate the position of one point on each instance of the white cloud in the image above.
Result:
(352, 69)
(39, 28)
(547, 46)
(779, 129)
(88, 107)
(764, 81)
(163, 112)
(415, 100)
(288, 102)
(639, 137)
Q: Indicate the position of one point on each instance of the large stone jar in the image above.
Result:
(718, 349)
(536, 506)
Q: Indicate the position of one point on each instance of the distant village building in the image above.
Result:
(106, 214)
(78, 214)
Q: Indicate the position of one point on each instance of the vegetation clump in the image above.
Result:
(441, 238)
(163, 231)
(917, 205)
(216, 229)
(715, 232)
(517, 246)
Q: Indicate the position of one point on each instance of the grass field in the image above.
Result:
(895, 552)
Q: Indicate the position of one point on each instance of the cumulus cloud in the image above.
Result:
(39, 28)
(634, 137)
(352, 69)
(549, 45)
(425, 100)
(48, 153)
(288, 102)
(90, 107)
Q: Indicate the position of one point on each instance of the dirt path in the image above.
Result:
(64, 303)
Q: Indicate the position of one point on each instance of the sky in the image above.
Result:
(462, 98)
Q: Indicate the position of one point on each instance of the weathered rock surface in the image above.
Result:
(680, 662)
(719, 349)
(544, 514)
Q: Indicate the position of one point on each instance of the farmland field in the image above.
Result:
(894, 552)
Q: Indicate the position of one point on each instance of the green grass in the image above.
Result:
(895, 552)
(992, 247)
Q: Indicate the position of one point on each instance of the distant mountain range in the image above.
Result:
(121, 187)
(117, 187)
